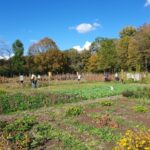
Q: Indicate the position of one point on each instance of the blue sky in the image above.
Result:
(69, 22)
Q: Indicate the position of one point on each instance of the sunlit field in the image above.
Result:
(72, 115)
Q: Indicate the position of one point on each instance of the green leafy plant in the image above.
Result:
(23, 124)
(2, 92)
(2, 125)
(105, 133)
(106, 103)
(40, 134)
(140, 108)
(74, 111)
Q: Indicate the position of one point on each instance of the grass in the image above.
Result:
(93, 90)
(106, 134)
(56, 94)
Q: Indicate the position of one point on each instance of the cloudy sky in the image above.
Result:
(71, 23)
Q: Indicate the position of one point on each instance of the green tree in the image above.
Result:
(122, 46)
(139, 51)
(18, 51)
(127, 31)
(85, 55)
(96, 45)
(74, 60)
(93, 63)
(107, 55)
(122, 52)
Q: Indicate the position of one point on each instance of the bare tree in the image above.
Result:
(5, 51)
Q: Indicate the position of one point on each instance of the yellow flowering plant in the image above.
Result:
(134, 140)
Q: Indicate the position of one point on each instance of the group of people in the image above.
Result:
(106, 77)
(33, 80)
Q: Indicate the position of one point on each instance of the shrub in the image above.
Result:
(2, 125)
(23, 124)
(127, 93)
(140, 108)
(106, 103)
(134, 140)
(40, 134)
(74, 111)
(2, 92)
(20, 101)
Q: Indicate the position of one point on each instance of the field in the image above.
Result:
(77, 116)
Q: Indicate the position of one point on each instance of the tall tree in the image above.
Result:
(122, 52)
(93, 63)
(96, 45)
(107, 55)
(42, 46)
(51, 61)
(74, 60)
(142, 44)
(18, 50)
(6, 53)
(85, 55)
(126, 34)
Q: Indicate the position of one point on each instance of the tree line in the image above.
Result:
(130, 52)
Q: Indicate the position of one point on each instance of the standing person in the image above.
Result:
(34, 81)
(39, 77)
(21, 78)
(106, 76)
(116, 76)
(79, 77)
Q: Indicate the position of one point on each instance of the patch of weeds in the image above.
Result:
(71, 142)
(93, 105)
(110, 111)
(121, 121)
(94, 115)
(127, 93)
(52, 116)
(16, 132)
(2, 92)
(44, 132)
(74, 111)
(2, 125)
(140, 108)
(105, 133)
(106, 103)
(23, 124)
(143, 101)
(16, 140)
(41, 134)
(107, 121)
(12, 102)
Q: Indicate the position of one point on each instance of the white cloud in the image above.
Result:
(6, 57)
(147, 3)
(86, 27)
(86, 46)
(33, 41)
